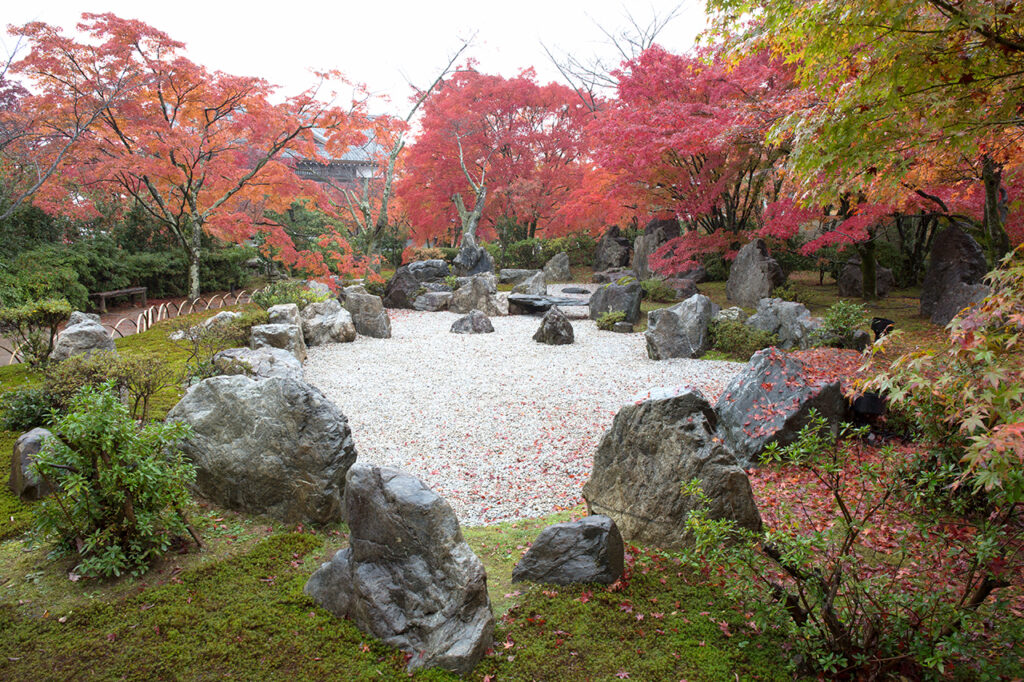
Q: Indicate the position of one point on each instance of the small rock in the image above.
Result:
(261, 363)
(284, 313)
(535, 285)
(327, 322)
(433, 301)
(622, 328)
(586, 551)
(475, 322)
(84, 335)
(285, 336)
(555, 329)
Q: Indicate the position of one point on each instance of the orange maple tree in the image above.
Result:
(200, 151)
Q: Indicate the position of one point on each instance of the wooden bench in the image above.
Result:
(133, 292)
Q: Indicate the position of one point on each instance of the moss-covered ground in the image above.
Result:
(235, 610)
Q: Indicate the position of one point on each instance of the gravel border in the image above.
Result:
(502, 426)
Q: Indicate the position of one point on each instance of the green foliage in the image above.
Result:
(25, 408)
(119, 490)
(452, 282)
(847, 607)
(286, 291)
(33, 327)
(607, 321)
(374, 287)
(969, 394)
(737, 341)
(789, 292)
(532, 254)
(656, 290)
(716, 268)
(839, 323)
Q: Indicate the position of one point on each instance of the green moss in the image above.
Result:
(15, 515)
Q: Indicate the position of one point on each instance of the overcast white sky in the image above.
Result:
(382, 44)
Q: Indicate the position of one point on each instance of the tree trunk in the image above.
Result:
(998, 242)
(194, 250)
(868, 270)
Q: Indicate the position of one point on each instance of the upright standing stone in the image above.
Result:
(472, 259)
(754, 275)
(680, 331)
(557, 268)
(617, 297)
(955, 272)
(23, 482)
(368, 314)
(650, 452)
(656, 233)
(613, 250)
(407, 576)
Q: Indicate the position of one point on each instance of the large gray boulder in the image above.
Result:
(277, 447)
(957, 264)
(478, 293)
(851, 280)
(651, 450)
(557, 268)
(220, 320)
(472, 259)
(428, 270)
(680, 331)
(754, 275)
(368, 314)
(656, 233)
(407, 577)
(23, 482)
(613, 297)
(586, 551)
(259, 363)
(515, 275)
(474, 322)
(534, 285)
(613, 250)
(790, 321)
(770, 401)
(433, 301)
(83, 335)
(284, 336)
(327, 322)
(555, 329)
(284, 313)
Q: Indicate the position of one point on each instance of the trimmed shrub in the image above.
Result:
(839, 323)
(606, 321)
(286, 291)
(25, 408)
(33, 327)
(656, 290)
(737, 340)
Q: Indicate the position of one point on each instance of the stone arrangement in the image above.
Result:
(586, 551)
(651, 450)
(83, 335)
(754, 275)
(407, 576)
(275, 446)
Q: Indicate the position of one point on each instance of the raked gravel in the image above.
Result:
(502, 426)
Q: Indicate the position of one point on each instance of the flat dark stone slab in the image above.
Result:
(540, 304)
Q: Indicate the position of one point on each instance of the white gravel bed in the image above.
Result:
(500, 425)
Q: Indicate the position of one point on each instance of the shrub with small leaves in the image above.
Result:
(607, 321)
(737, 340)
(839, 324)
(25, 408)
(119, 491)
(788, 292)
(287, 291)
(374, 287)
(656, 290)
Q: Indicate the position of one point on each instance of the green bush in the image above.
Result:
(25, 408)
(136, 379)
(286, 291)
(374, 287)
(839, 323)
(33, 327)
(716, 268)
(119, 491)
(788, 292)
(607, 321)
(449, 252)
(656, 290)
(737, 340)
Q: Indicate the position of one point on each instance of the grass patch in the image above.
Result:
(664, 623)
